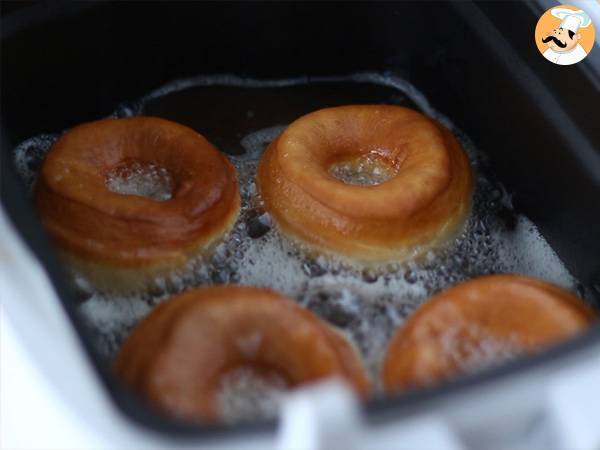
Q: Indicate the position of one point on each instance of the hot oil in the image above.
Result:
(363, 171)
(245, 395)
(241, 117)
(146, 179)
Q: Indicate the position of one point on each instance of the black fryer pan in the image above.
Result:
(66, 63)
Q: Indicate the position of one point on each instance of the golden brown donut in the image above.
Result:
(477, 323)
(421, 206)
(177, 356)
(121, 242)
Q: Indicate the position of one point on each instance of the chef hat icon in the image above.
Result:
(572, 20)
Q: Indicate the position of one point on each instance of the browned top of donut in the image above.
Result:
(91, 221)
(177, 355)
(477, 323)
(403, 137)
(422, 204)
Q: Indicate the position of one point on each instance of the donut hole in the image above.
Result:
(363, 170)
(250, 392)
(141, 178)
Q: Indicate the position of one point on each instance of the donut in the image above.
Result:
(422, 203)
(477, 324)
(178, 355)
(122, 242)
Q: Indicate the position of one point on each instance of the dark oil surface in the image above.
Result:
(225, 114)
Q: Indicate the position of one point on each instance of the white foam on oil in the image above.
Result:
(141, 179)
(112, 319)
(254, 144)
(29, 156)
(244, 395)
(367, 305)
(363, 171)
(525, 250)
(471, 348)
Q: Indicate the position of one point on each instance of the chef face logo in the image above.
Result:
(561, 40)
(564, 35)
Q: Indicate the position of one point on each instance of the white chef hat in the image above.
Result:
(572, 20)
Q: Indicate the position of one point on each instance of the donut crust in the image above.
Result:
(177, 355)
(424, 205)
(483, 318)
(122, 242)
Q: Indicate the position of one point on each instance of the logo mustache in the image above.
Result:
(556, 41)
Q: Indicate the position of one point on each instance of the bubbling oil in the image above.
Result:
(243, 395)
(142, 179)
(365, 303)
(365, 170)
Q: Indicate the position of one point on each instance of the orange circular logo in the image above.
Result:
(564, 35)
